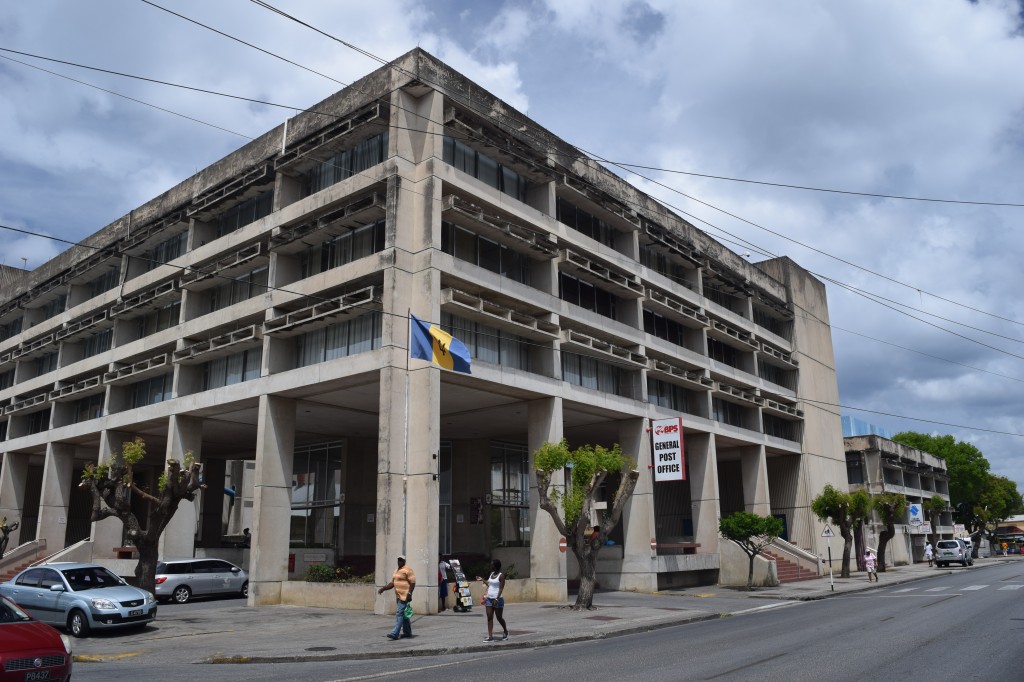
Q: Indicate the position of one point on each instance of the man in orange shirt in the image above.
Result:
(404, 582)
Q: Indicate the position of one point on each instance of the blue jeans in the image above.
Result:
(401, 622)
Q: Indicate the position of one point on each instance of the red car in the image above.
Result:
(30, 650)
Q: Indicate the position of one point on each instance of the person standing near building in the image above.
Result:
(5, 531)
(929, 552)
(442, 584)
(1004, 549)
(869, 564)
(494, 603)
(404, 582)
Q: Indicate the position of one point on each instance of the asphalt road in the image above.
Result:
(963, 626)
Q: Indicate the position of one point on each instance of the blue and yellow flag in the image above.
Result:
(438, 346)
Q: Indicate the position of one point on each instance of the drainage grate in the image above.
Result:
(321, 648)
(603, 618)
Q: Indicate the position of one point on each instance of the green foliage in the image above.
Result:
(891, 506)
(841, 508)
(935, 504)
(743, 527)
(585, 464)
(133, 451)
(999, 500)
(320, 573)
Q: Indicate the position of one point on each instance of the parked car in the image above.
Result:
(30, 650)
(182, 579)
(952, 551)
(79, 597)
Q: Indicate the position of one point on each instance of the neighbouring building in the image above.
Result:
(878, 465)
(257, 315)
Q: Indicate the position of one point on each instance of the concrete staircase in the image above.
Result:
(9, 572)
(789, 571)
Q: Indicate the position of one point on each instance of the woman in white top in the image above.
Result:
(493, 601)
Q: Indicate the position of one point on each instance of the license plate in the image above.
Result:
(37, 675)
(136, 612)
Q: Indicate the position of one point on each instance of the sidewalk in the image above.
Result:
(233, 633)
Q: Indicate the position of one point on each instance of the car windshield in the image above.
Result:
(9, 613)
(90, 578)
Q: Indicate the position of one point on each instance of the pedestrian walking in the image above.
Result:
(442, 584)
(1004, 549)
(494, 603)
(869, 564)
(929, 552)
(403, 581)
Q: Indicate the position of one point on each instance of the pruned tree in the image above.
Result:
(998, 501)
(113, 485)
(845, 511)
(890, 506)
(589, 466)
(934, 505)
(752, 533)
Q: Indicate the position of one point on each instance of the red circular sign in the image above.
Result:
(562, 544)
(654, 544)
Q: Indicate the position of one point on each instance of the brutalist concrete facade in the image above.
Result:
(256, 315)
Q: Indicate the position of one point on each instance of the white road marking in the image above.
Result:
(936, 589)
(906, 589)
(1011, 587)
(975, 587)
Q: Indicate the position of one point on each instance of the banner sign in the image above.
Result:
(915, 512)
(667, 449)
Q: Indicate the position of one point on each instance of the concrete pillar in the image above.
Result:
(13, 480)
(108, 533)
(703, 466)
(211, 503)
(640, 564)
(58, 474)
(547, 562)
(755, 480)
(184, 434)
(272, 499)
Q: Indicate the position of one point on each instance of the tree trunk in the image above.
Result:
(750, 573)
(883, 542)
(145, 570)
(847, 542)
(587, 559)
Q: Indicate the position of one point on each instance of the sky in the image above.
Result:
(871, 97)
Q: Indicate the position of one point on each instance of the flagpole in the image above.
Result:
(405, 476)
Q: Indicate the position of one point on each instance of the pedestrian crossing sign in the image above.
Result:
(827, 533)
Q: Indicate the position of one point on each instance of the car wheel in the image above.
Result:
(182, 594)
(78, 624)
(245, 589)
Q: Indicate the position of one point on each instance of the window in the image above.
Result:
(3, 431)
(97, 343)
(55, 307)
(151, 391)
(665, 265)
(104, 282)
(39, 421)
(160, 319)
(88, 408)
(468, 246)
(586, 295)
(46, 363)
(166, 251)
(854, 470)
(588, 372)
(6, 379)
(239, 289)
(484, 168)
(780, 428)
(316, 495)
(9, 329)
(664, 328)
(339, 340)
(671, 396)
(585, 223)
(772, 324)
(358, 243)
(249, 211)
(366, 154)
(727, 413)
(510, 491)
(776, 375)
(489, 344)
(723, 352)
(232, 369)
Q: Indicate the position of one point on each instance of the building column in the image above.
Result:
(13, 479)
(547, 562)
(754, 466)
(703, 465)
(184, 435)
(640, 562)
(58, 472)
(108, 533)
(272, 499)
(407, 487)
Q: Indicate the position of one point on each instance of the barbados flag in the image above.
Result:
(437, 346)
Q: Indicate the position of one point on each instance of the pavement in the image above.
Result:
(228, 631)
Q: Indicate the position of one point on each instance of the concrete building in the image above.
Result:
(257, 315)
(878, 465)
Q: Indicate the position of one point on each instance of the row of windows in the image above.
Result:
(344, 165)
(249, 211)
(489, 344)
(233, 369)
(240, 288)
(339, 340)
(345, 248)
(584, 222)
(484, 168)
(586, 295)
(664, 328)
(166, 251)
(588, 372)
(490, 255)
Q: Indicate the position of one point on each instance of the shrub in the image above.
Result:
(320, 573)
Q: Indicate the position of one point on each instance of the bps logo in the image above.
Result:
(664, 429)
